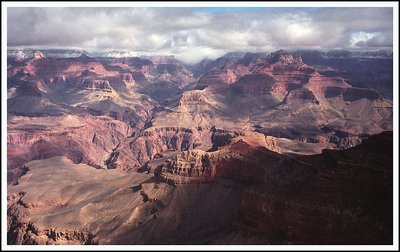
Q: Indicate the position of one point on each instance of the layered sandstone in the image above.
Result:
(83, 139)
(240, 160)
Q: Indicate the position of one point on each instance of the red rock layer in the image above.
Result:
(242, 160)
(88, 142)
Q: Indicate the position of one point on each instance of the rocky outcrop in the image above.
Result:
(353, 94)
(330, 198)
(188, 167)
(227, 74)
(38, 55)
(135, 62)
(320, 84)
(127, 78)
(241, 160)
(331, 87)
(29, 234)
(259, 85)
(155, 141)
(302, 94)
(168, 69)
(194, 97)
(261, 74)
(371, 70)
(103, 85)
(91, 81)
(282, 57)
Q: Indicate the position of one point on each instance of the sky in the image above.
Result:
(194, 33)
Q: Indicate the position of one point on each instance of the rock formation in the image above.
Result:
(250, 148)
(329, 198)
(245, 193)
(236, 160)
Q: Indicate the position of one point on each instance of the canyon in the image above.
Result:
(287, 147)
(243, 193)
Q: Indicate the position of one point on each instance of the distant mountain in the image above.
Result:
(340, 54)
(381, 54)
(53, 53)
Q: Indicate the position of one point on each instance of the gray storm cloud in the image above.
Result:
(192, 33)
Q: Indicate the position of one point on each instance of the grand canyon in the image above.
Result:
(285, 147)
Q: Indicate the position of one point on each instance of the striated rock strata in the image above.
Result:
(241, 160)
(83, 139)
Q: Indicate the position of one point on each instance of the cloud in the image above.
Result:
(193, 33)
(374, 39)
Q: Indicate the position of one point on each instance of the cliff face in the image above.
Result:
(148, 144)
(330, 198)
(83, 139)
(228, 74)
(90, 80)
(241, 160)
(188, 167)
